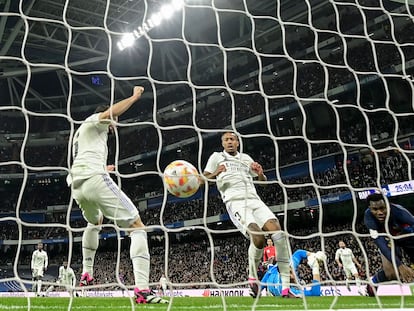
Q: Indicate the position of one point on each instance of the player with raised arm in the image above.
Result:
(233, 172)
(345, 259)
(98, 195)
(66, 279)
(38, 265)
(390, 226)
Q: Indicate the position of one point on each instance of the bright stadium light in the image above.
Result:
(155, 19)
(126, 41)
(165, 13)
(177, 4)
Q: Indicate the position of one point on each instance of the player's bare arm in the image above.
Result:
(218, 171)
(258, 169)
(120, 107)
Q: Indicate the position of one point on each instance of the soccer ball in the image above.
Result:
(181, 178)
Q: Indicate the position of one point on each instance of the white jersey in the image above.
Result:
(346, 255)
(163, 282)
(67, 276)
(89, 149)
(237, 181)
(39, 260)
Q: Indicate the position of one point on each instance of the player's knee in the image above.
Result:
(272, 225)
(137, 223)
(256, 235)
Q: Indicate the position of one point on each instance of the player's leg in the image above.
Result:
(385, 274)
(141, 265)
(353, 271)
(115, 205)
(90, 243)
(34, 279)
(255, 254)
(241, 214)
(87, 195)
(280, 241)
(38, 277)
(348, 276)
(49, 290)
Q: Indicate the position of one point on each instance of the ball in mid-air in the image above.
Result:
(181, 178)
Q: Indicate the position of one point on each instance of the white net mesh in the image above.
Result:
(320, 93)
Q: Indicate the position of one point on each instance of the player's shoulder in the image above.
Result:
(245, 156)
(217, 156)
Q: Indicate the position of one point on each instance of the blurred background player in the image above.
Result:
(313, 260)
(38, 265)
(163, 285)
(66, 279)
(383, 222)
(269, 253)
(234, 172)
(98, 195)
(345, 259)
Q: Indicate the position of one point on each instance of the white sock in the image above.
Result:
(90, 242)
(358, 282)
(39, 286)
(255, 254)
(140, 258)
(49, 289)
(283, 257)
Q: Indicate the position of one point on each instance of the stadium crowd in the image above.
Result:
(189, 259)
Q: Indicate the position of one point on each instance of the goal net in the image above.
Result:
(319, 92)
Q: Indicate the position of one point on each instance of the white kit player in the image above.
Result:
(346, 260)
(163, 285)
(234, 172)
(38, 265)
(98, 195)
(66, 279)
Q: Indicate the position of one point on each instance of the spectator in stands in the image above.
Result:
(385, 221)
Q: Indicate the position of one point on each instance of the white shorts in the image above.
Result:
(246, 211)
(100, 195)
(37, 272)
(350, 270)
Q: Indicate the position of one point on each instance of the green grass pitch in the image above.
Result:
(210, 304)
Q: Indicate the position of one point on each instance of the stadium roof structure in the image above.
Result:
(34, 34)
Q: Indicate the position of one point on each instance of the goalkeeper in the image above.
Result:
(272, 277)
(384, 222)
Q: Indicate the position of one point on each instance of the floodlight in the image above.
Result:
(155, 19)
(127, 40)
(167, 11)
(177, 4)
